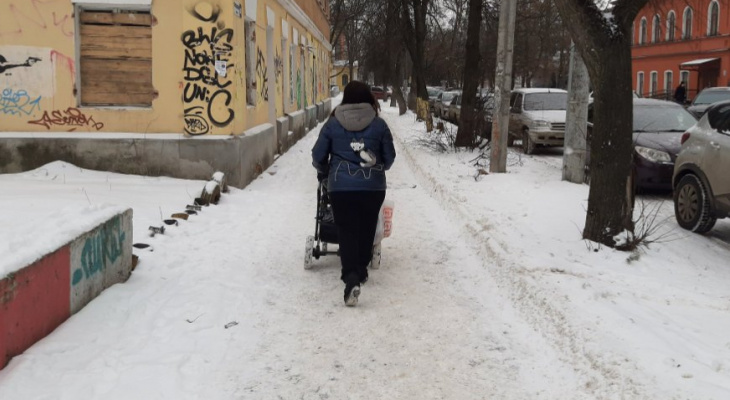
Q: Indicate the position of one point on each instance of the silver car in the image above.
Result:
(537, 117)
(701, 182)
(441, 105)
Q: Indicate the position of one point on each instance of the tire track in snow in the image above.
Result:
(604, 376)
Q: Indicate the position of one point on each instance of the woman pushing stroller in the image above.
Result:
(353, 151)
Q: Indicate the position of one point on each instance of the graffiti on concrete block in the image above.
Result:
(100, 249)
(18, 103)
(71, 118)
(262, 75)
(207, 58)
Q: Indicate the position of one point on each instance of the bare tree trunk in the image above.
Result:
(611, 197)
(415, 34)
(468, 126)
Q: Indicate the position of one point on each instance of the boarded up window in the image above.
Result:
(116, 58)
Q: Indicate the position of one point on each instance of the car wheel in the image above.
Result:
(692, 205)
(528, 146)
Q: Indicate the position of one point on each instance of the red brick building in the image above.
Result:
(681, 40)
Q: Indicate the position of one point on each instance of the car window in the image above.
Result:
(709, 97)
(661, 118)
(719, 118)
(448, 96)
(512, 99)
(545, 101)
(517, 103)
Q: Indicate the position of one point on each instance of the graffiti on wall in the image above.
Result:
(18, 103)
(262, 75)
(27, 68)
(278, 66)
(5, 65)
(70, 118)
(100, 250)
(22, 15)
(299, 89)
(207, 61)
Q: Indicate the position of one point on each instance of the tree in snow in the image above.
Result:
(602, 34)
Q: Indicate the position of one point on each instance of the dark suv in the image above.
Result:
(701, 181)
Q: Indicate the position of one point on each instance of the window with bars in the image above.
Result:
(115, 63)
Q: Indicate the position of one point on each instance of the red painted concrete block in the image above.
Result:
(33, 302)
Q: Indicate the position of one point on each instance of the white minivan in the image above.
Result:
(537, 117)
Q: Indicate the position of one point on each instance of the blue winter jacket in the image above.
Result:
(354, 148)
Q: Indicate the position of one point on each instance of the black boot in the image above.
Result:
(352, 292)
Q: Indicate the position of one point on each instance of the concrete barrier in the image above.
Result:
(152, 155)
(282, 134)
(39, 297)
(327, 108)
(297, 124)
(311, 112)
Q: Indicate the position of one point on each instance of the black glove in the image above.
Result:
(321, 176)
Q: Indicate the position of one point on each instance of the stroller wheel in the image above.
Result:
(375, 262)
(308, 251)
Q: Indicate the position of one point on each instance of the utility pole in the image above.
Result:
(576, 127)
(500, 118)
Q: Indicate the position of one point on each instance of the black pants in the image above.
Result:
(356, 217)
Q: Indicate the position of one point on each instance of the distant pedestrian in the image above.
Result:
(680, 93)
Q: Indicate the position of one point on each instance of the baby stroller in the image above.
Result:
(325, 232)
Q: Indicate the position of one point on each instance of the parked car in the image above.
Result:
(483, 104)
(701, 181)
(706, 97)
(442, 102)
(334, 90)
(454, 111)
(433, 93)
(537, 117)
(379, 93)
(658, 126)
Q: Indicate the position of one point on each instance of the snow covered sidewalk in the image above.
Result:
(652, 324)
(486, 292)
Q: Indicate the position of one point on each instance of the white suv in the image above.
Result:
(537, 117)
(701, 181)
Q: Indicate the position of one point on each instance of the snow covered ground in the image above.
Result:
(486, 292)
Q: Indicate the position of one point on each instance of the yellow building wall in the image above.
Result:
(189, 38)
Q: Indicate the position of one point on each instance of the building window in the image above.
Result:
(642, 31)
(640, 84)
(668, 84)
(687, 24)
(713, 18)
(345, 79)
(656, 30)
(115, 62)
(653, 83)
(249, 31)
(671, 26)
